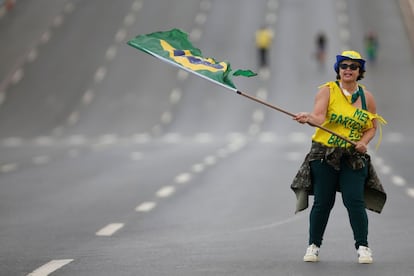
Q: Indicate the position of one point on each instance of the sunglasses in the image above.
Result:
(351, 66)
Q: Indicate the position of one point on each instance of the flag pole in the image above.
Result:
(293, 115)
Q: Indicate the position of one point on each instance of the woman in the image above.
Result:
(333, 164)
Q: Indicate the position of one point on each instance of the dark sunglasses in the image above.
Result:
(351, 66)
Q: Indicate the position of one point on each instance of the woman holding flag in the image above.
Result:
(334, 164)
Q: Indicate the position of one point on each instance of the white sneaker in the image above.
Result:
(312, 254)
(364, 255)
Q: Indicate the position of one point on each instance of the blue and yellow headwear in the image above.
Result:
(349, 55)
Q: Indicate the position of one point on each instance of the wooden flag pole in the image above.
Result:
(293, 115)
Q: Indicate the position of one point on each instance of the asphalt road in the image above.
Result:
(114, 163)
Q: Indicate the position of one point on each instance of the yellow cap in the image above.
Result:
(351, 54)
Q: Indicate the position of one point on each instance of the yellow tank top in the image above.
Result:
(344, 119)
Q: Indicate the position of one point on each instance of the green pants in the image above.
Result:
(325, 180)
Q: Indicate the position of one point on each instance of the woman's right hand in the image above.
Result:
(302, 117)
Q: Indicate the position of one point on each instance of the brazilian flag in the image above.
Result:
(174, 47)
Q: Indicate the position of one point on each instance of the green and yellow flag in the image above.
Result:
(174, 47)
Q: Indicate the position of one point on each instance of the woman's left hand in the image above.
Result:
(361, 147)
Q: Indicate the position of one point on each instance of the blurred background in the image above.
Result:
(115, 163)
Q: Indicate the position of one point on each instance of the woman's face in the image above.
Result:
(349, 70)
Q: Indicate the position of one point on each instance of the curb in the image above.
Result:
(407, 10)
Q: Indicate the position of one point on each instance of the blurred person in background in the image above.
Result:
(371, 46)
(334, 164)
(8, 4)
(321, 44)
(264, 38)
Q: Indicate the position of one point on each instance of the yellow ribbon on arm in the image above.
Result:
(381, 121)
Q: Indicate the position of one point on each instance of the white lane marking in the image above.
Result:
(165, 191)
(137, 6)
(88, 97)
(262, 93)
(50, 267)
(146, 206)
(182, 75)
(200, 18)
(198, 168)
(100, 74)
(182, 178)
(8, 167)
(129, 19)
(12, 142)
(73, 118)
(110, 229)
(17, 76)
(166, 117)
(210, 160)
(398, 181)
(32, 55)
(120, 35)
(236, 144)
(110, 53)
(69, 7)
(205, 5)
(58, 21)
(258, 116)
(410, 192)
(195, 34)
(385, 169)
(378, 161)
(45, 37)
(264, 73)
(175, 95)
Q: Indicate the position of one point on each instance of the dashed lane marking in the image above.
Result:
(165, 191)
(8, 167)
(398, 181)
(410, 192)
(182, 178)
(50, 267)
(146, 206)
(110, 229)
